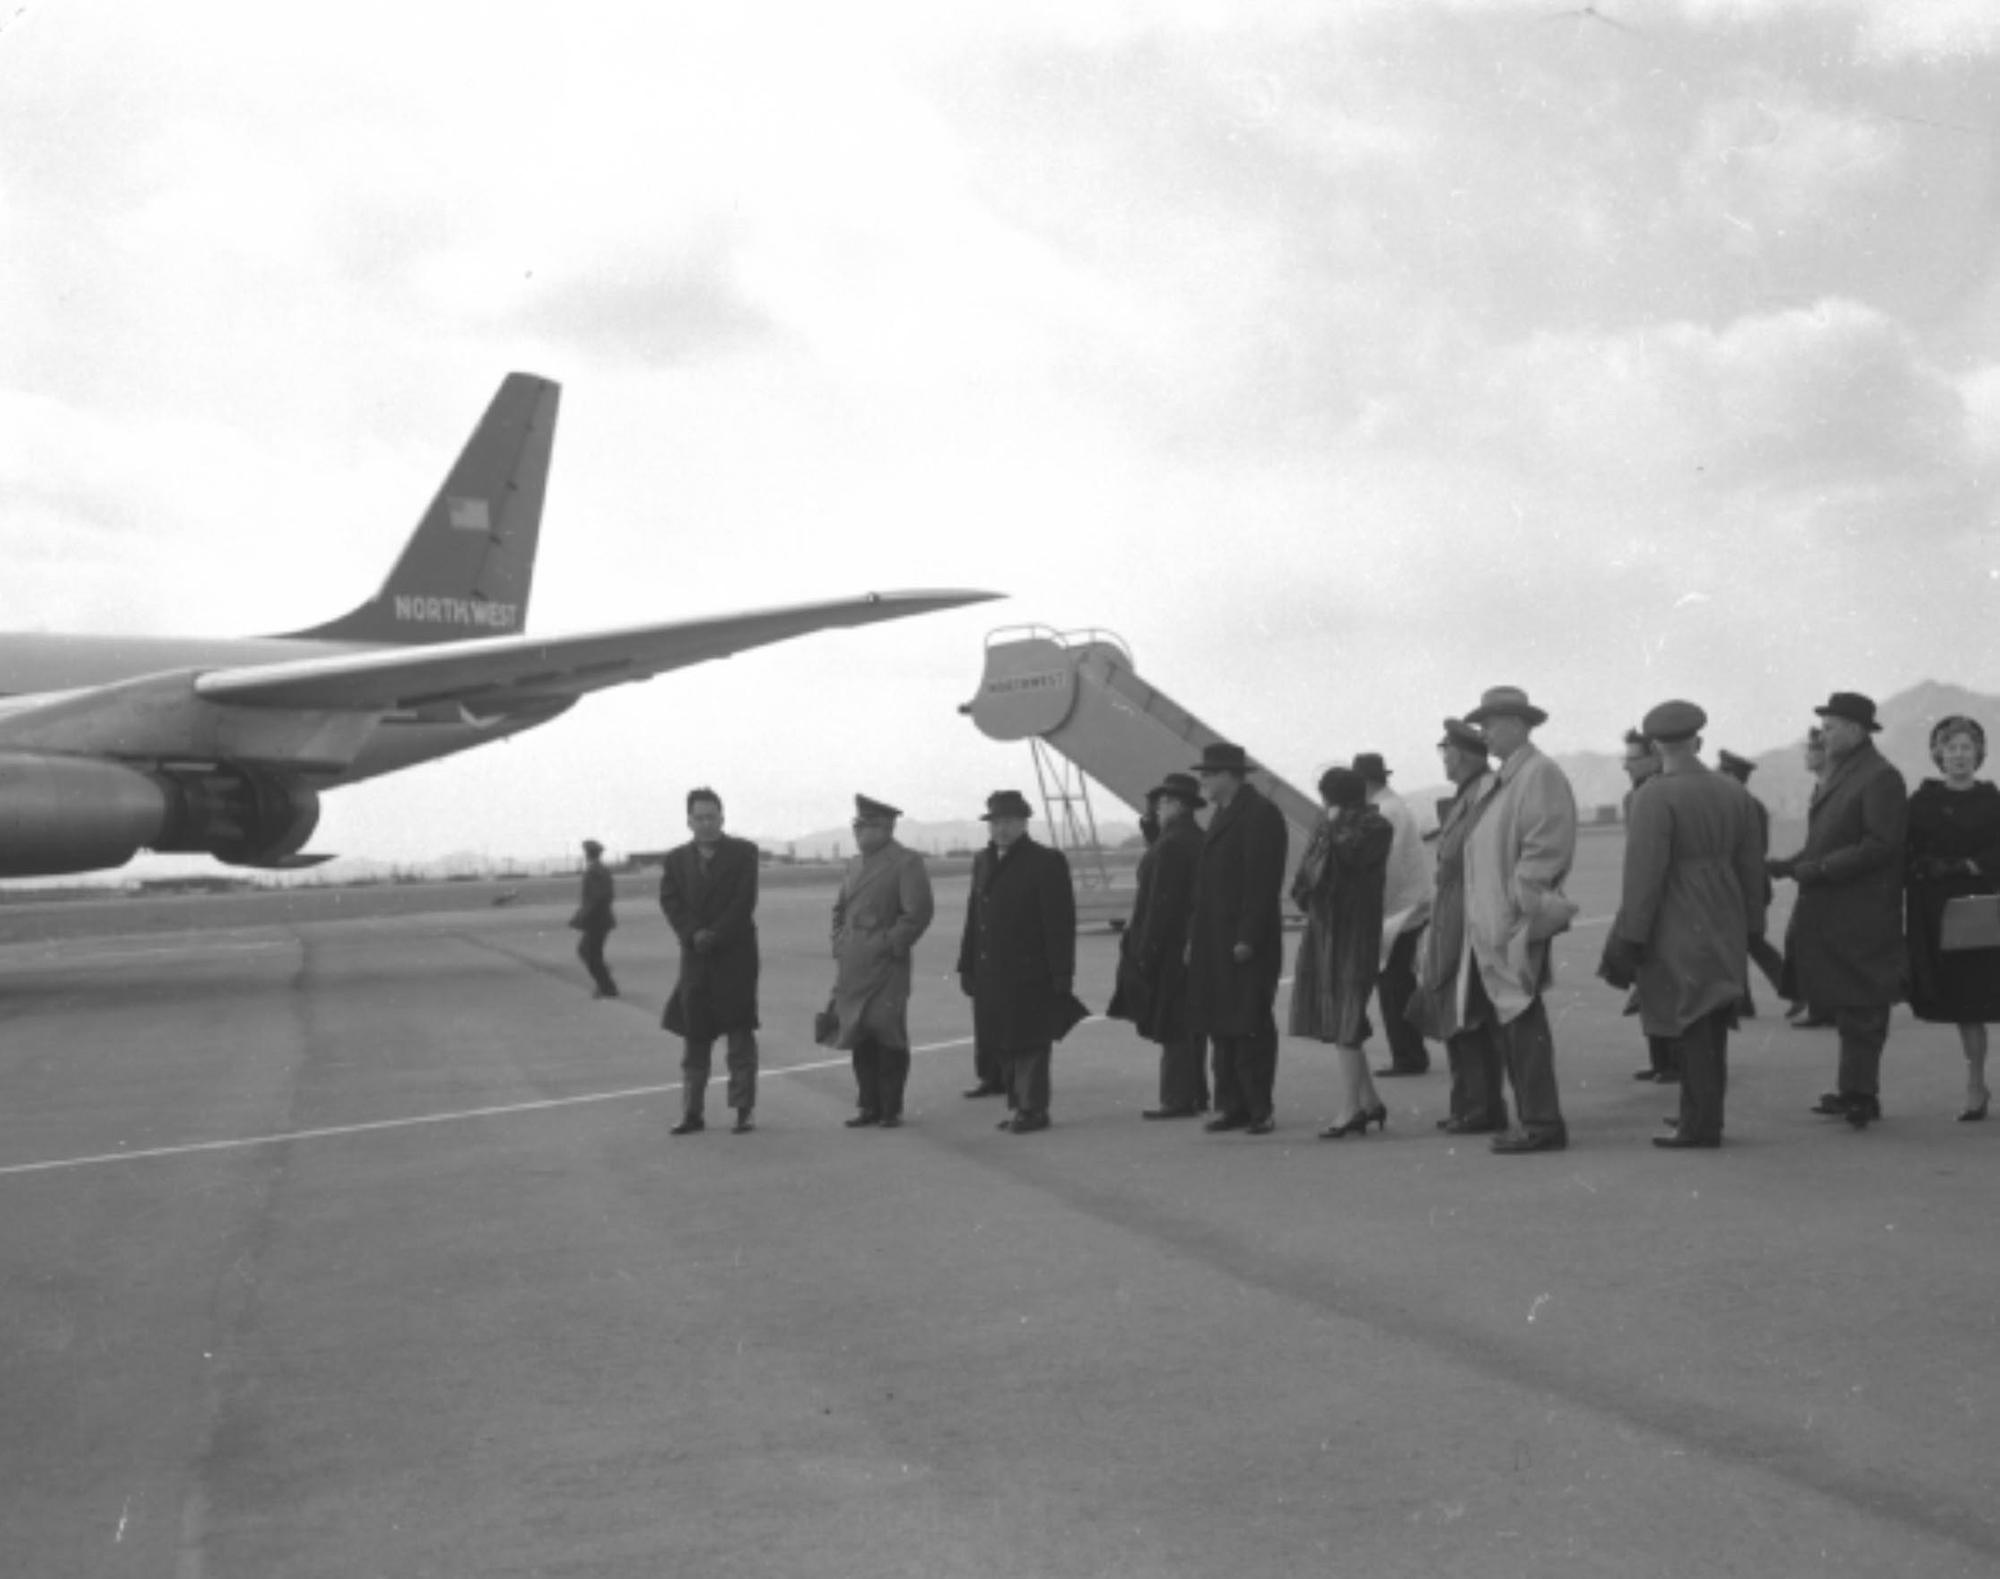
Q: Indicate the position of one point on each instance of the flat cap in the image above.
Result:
(1673, 721)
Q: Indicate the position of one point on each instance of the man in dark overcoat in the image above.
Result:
(1845, 945)
(1017, 958)
(1152, 952)
(1236, 948)
(595, 918)
(1693, 898)
(709, 893)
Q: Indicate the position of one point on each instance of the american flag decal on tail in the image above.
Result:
(467, 515)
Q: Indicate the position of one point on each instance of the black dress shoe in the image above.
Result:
(984, 1090)
(1392, 1072)
(863, 1120)
(1831, 1104)
(1645, 1074)
(1668, 1077)
(892, 1121)
(1530, 1140)
(1260, 1126)
(1169, 1112)
(1223, 1121)
(1680, 1142)
(688, 1126)
(1470, 1126)
(1028, 1123)
(742, 1126)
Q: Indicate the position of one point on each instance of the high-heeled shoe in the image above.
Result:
(1357, 1125)
(1380, 1114)
(1977, 1112)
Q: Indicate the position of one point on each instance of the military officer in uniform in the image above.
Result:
(594, 919)
(883, 907)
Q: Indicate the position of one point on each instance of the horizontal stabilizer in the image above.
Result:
(491, 676)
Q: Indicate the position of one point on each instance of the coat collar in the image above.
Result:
(1861, 756)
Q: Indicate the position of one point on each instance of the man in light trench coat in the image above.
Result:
(1693, 898)
(883, 907)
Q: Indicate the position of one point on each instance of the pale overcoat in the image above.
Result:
(1522, 846)
(1693, 894)
(1845, 946)
(717, 990)
(1408, 886)
(1238, 898)
(1434, 1008)
(883, 907)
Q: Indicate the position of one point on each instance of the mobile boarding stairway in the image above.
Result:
(1079, 702)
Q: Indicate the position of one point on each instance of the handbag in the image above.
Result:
(1970, 922)
(826, 1024)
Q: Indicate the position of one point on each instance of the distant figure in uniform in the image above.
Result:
(594, 918)
(1152, 951)
(1845, 952)
(1762, 954)
(1693, 897)
(1642, 766)
(1408, 887)
(1478, 1078)
(1522, 847)
(709, 894)
(1236, 946)
(883, 907)
(1017, 959)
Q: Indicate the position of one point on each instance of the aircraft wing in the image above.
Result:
(498, 674)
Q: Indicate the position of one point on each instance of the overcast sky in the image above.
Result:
(1343, 358)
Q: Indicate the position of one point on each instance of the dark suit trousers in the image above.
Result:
(880, 1074)
(1863, 1034)
(1184, 1073)
(742, 1072)
(1394, 989)
(1026, 1071)
(1703, 1053)
(1665, 1054)
(590, 949)
(1246, 1070)
(1529, 1050)
(987, 1068)
(1478, 1078)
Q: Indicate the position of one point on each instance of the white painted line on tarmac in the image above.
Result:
(333, 1130)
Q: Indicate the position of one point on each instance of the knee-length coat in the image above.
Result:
(1693, 893)
(1948, 828)
(883, 907)
(1152, 952)
(1434, 1008)
(1522, 846)
(717, 989)
(1340, 885)
(1844, 949)
(1018, 950)
(1238, 898)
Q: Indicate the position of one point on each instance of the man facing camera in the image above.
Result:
(708, 891)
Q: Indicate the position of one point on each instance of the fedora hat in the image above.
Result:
(1221, 757)
(1182, 787)
(1006, 803)
(1370, 766)
(1852, 706)
(1506, 701)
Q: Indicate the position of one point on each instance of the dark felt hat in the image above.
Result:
(1852, 706)
(1673, 721)
(1507, 701)
(1006, 803)
(866, 810)
(1457, 732)
(1182, 787)
(1222, 757)
(1370, 766)
(592, 847)
(1731, 763)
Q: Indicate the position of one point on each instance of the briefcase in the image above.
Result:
(1970, 922)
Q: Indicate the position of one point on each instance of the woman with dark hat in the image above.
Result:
(1152, 951)
(1339, 887)
(1954, 853)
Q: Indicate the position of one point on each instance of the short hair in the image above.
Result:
(703, 792)
(1949, 729)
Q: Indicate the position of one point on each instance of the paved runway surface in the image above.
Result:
(360, 1248)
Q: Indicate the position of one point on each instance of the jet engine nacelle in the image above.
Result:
(83, 814)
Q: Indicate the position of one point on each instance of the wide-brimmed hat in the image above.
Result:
(1370, 766)
(1506, 701)
(1006, 803)
(1182, 787)
(1221, 757)
(1730, 762)
(1673, 721)
(867, 810)
(1457, 732)
(1852, 706)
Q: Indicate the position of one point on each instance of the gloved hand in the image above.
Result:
(1621, 961)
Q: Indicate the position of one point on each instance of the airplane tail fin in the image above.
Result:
(467, 569)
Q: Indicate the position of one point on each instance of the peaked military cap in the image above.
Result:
(1852, 706)
(866, 810)
(1006, 803)
(1730, 762)
(1457, 732)
(1673, 721)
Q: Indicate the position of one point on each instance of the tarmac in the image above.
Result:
(358, 1247)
